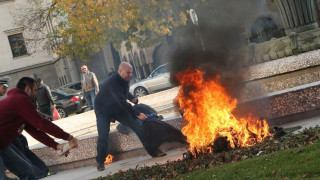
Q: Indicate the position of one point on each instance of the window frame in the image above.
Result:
(17, 45)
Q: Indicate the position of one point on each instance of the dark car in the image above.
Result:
(68, 101)
(76, 86)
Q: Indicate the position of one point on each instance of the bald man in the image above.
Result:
(111, 103)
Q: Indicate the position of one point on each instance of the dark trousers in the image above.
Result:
(21, 161)
(39, 167)
(103, 125)
(46, 109)
(17, 164)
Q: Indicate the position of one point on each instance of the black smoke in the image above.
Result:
(222, 32)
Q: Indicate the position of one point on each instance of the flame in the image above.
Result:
(108, 159)
(208, 110)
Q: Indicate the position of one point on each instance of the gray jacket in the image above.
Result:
(44, 96)
(91, 83)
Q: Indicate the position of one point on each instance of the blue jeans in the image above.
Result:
(17, 164)
(90, 97)
(103, 125)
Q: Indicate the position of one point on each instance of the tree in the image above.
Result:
(83, 27)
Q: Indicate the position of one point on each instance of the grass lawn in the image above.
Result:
(296, 163)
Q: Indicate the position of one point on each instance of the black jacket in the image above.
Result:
(44, 96)
(113, 95)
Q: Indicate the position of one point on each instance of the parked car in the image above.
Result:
(158, 80)
(68, 101)
(75, 86)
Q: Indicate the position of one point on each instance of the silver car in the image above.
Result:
(158, 80)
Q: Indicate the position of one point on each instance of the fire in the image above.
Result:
(108, 159)
(208, 110)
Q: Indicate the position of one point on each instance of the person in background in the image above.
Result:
(17, 114)
(90, 86)
(44, 100)
(111, 72)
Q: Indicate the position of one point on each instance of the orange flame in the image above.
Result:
(208, 110)
(108, 159)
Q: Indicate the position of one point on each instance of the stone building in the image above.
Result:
(283, 28)
(19, 59)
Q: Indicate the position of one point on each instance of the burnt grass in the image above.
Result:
(280, 140)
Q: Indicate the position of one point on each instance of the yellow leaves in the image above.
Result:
(92, 23)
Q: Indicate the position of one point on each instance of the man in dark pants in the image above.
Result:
(111, 103)
(44, 99)
(17, 114)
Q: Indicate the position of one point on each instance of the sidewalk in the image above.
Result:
(90, 172)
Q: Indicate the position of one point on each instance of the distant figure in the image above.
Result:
(112, 71)
(4, 85)
(44, 99)
(90, 86)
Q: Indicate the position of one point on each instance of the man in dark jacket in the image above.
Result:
(111, 103)
(44, 99)
(17, 114)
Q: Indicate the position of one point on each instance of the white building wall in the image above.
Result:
(7, 11)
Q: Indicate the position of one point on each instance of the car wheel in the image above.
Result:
(62, 112)
(140, 91)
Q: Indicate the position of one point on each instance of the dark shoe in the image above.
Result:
(100, 167)
(159, 153)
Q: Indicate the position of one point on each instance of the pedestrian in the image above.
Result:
(111, 72)
(44, 100)
(90, 86)
(3, 89)
(17, 114)
(111, 103)
(4, 85)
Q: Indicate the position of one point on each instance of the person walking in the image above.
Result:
(17, 114)
(44, 99)
(90, 86)
(111, 103)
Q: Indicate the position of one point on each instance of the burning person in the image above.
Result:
(18, 113)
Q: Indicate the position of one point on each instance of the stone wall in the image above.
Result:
(293, 44)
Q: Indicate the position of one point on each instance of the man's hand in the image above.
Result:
(59, 147)
(142, 116)
(134, 101)
(73, 142)
(60, 150)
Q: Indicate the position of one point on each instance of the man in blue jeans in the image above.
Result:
(111, 103)
(90, 86)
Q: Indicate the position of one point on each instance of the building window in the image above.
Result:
(17, 44)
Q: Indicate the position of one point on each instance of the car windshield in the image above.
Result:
(67, 91)
(160, 70)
